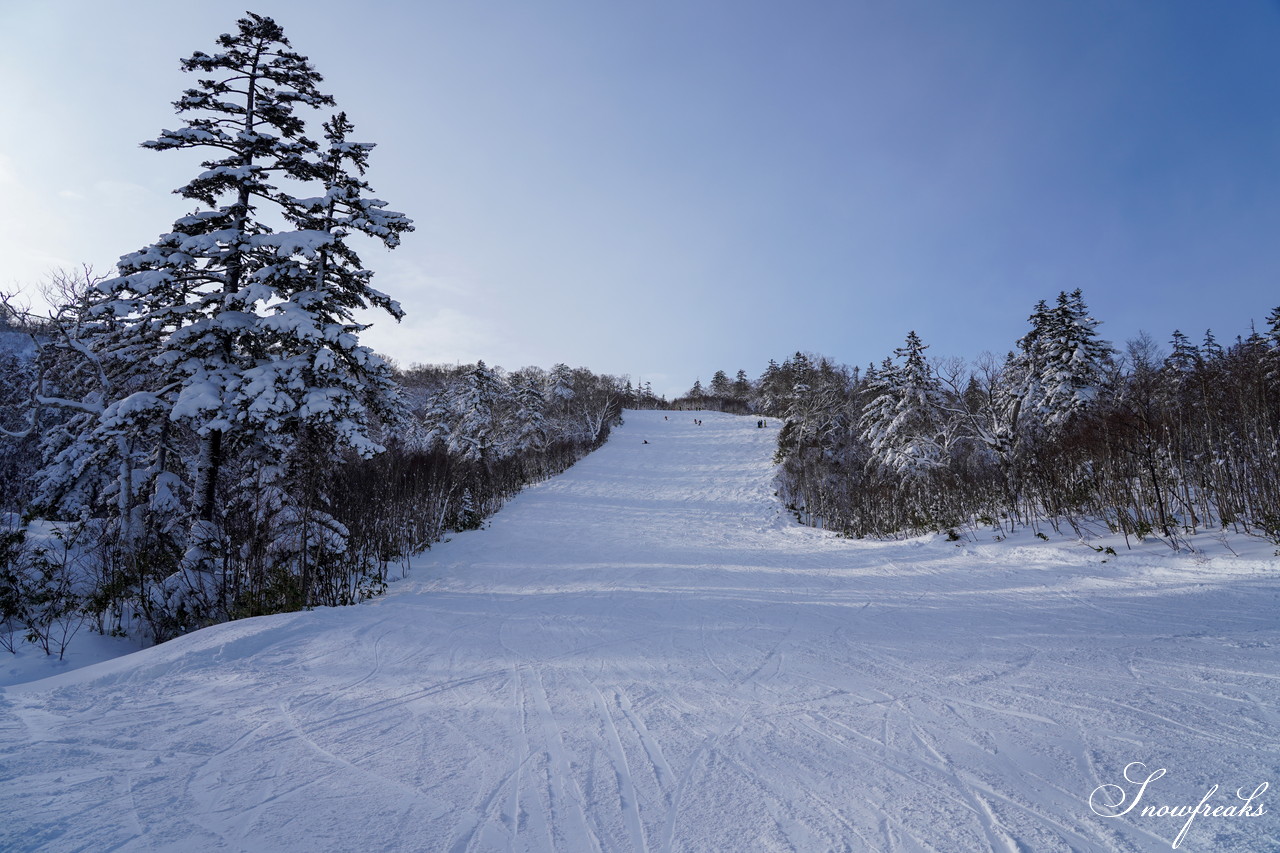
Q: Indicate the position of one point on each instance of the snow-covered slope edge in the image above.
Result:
(644, 654)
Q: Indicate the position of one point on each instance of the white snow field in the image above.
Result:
(647, 653)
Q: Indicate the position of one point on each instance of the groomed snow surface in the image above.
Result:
(647, 653)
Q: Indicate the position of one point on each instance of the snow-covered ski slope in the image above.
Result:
(646, 653)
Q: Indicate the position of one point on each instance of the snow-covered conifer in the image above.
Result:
(474, 437)
(250, 297)
(1210, 349)
(438, 421)
(198, 285)
(560, 384)
(646, 398)
(906, 422)
(1184, 356)
(1060, 366)
(773, 393)
(234, 331)
(1273, 351)
(529, 419)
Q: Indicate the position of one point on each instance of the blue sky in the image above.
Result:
(668, 188)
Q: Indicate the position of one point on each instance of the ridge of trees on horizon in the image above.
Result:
(1063, 431)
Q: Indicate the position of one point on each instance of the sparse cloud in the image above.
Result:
(430, 336)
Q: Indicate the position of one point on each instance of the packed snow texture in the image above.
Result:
(646, 653)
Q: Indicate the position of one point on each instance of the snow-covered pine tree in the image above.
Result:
(560, 384)
(530, 421)
(199, 286)
(1184, 357)
(1273, 350)
(474, 437)
(1210, 349)
(647, 399)
(1060, 366)
(1072, 360)
(470, 515)
(246, 305)
(438, 421)
(906, 423)
(720, 385)
(769, 389)
(815, 408)
(801, 370)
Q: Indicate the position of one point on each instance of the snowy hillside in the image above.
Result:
(646, 653)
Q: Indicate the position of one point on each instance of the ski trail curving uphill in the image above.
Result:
(646, 654)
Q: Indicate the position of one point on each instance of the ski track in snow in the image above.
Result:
(646, 654)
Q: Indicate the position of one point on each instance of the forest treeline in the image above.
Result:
(93, 537)
(1065, 430)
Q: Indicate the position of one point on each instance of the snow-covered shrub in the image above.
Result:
(40, 588)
